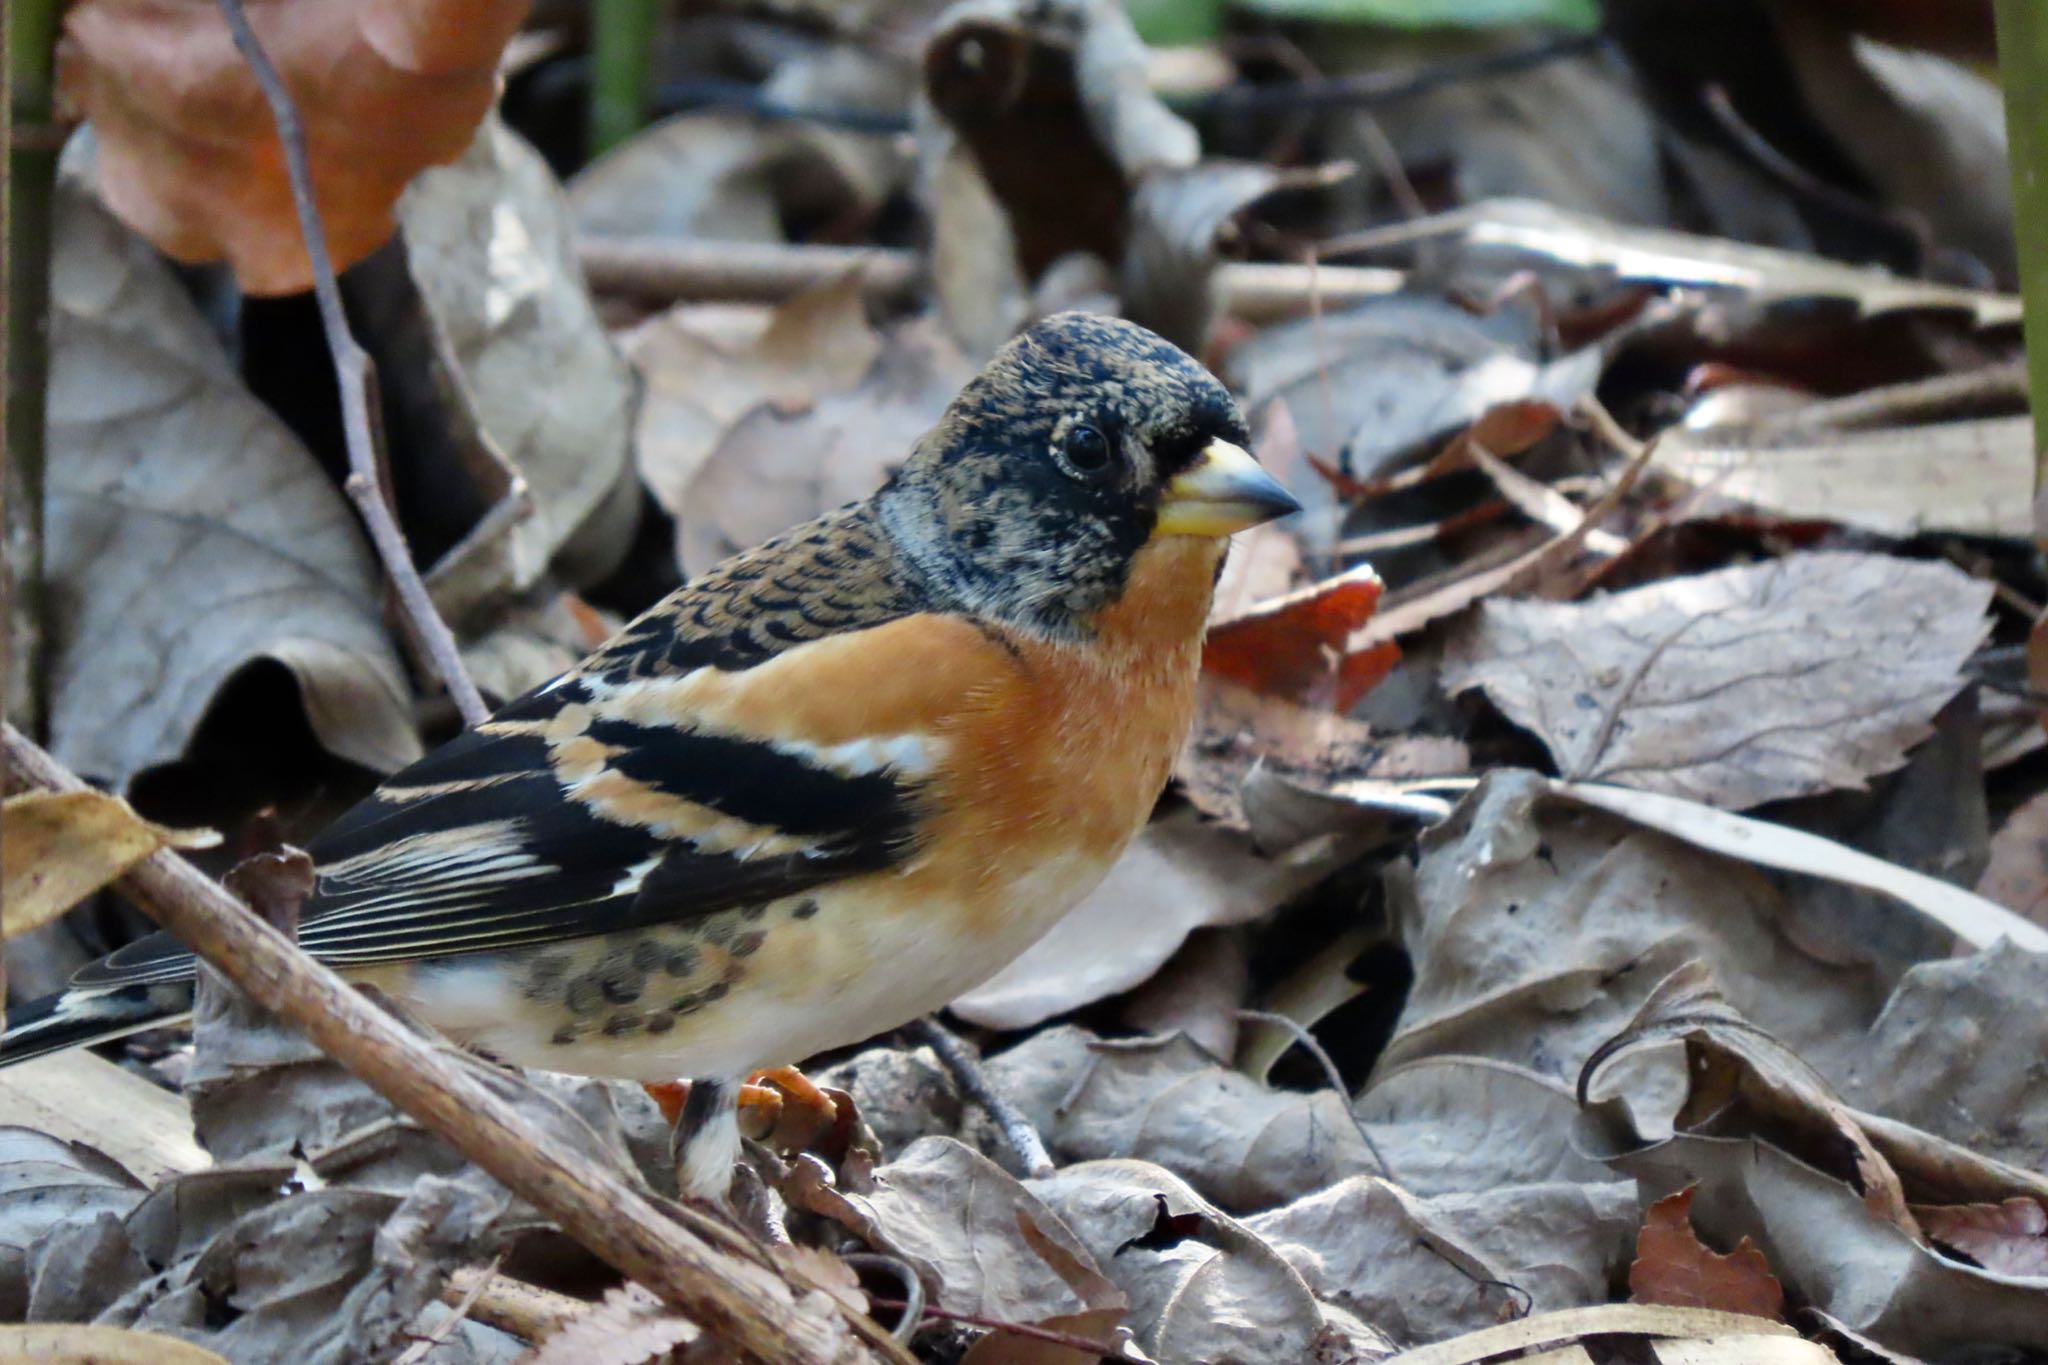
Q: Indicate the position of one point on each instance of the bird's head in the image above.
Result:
(1084, 442)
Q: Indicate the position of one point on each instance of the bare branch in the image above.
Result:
(356, 379)
(737, 1299)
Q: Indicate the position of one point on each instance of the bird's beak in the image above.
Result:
(1223, 491)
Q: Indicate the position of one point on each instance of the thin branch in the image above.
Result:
(737, 1300)
(1018, 1130)
(664, 270)
(1313, 1046)
(356, 379)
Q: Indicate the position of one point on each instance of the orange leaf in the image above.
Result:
(1294, 646)
(188, 155)
(1673, 1267)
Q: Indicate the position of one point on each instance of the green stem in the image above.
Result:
(621, 69)
(2023, 65)
(25, 204)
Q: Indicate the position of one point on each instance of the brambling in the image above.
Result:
(820, 791)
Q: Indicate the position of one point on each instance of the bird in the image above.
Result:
(817, 792)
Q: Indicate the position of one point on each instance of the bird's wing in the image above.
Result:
(699, 761)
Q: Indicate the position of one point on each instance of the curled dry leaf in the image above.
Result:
(1736, 687)
(189, 532)
(1294, 647)
(47, 1185)
(1732, 1062)
(500, 317)
(63, 846)
(2017, 875)
(1035, 123)
(190, 156)
(1674, 1267)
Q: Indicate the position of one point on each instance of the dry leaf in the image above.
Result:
(63, 846)
(70, 1343)
(700, 383)
(631, 1327)
(177, 572)
(1731, 1062)
(1966, 477)
(1035, 123)
(1179, 875)
(190, 156)
(45, 1186)
(1673, 1267)
(778, 466)
(1737, 687)
(2008, 1238)
(1294, 647)
(2017, 875)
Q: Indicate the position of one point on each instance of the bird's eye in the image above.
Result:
(1086, 451)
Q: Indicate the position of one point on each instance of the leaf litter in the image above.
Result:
(1615, 529)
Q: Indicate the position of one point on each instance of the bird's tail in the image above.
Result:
(75, 1017)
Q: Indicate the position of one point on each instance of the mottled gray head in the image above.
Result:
(1081, 441)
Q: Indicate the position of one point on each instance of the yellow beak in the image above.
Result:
(1223, 491)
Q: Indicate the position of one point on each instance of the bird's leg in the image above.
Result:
(801, 1095)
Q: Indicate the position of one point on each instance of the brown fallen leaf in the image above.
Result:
(190, 157)
(2017, 874)
(1295, 647)
(63, 846)
(1674, 1267)
(1738, 687)
(700, 381)
(2008, 1238)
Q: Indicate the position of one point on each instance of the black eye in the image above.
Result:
(1086, 450)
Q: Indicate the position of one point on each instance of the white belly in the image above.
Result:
(860, 964)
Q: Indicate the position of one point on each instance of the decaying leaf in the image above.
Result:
(1179, 875)
(1673, 1266)
(46, 1186)
(63, 846)
(174, 573)
(190, 157)
(1736, 687)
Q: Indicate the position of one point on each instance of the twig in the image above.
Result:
(737, 1300)
(663, 270)
(1314, 1048)
(1018, 1130)
(524, 1310)
(458, 1311)
(356, 379)
(1103, 1349)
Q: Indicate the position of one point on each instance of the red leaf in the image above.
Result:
(1295, 646)
(1673, 1267)
(2007, 1239)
